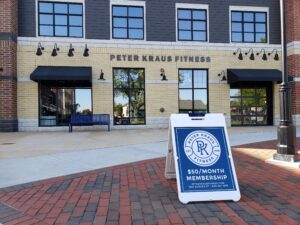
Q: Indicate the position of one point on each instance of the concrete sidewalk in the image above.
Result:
(27, 157)
(28, 144)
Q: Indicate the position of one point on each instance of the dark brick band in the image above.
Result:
(8, 125)
(8, 36)
(7, 77)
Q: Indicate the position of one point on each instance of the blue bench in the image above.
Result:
(89, 120)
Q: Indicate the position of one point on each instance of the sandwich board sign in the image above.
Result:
(200, 158)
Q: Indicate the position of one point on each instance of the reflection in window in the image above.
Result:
(59, 19)
(192, 24)
(129, 96)
(127, 22)
(48, 105)
(193, 91)
(248, 27)
(65, 105)
(83, 101)
(248, 106)
(58, 100)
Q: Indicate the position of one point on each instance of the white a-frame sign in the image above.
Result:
(200, 158)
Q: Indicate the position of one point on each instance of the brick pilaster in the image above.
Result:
(8, 65)
(295, 97)
(293, 20)
(293, 34)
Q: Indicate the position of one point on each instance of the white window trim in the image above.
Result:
(66, 38)
(127, 3)
(251, 9)
(192, 6)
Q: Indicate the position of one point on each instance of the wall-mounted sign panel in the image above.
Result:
(202, 158)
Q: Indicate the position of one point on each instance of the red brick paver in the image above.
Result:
(138, 193)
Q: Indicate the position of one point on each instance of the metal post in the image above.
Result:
(286, 130)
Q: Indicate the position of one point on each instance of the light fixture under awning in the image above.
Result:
(64, 73)
(240, 75)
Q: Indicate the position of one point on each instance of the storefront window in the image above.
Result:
(65, 106)
(249, 106)
(58, 100)
(83, 101)
(129, 96)
(48, 105)
(193, 97)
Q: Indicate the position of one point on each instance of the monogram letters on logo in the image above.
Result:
(202, 148)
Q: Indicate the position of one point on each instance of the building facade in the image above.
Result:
(140, 61)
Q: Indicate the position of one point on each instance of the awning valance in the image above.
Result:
(238, 75)
(62, 73)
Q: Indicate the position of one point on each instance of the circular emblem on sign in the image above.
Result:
(202, 148)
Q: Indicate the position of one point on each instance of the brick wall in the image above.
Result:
(295, 98)
(158, 93)
(294, 65)
(8, 16)
(293, 34)
(293, 20)
(8, 65)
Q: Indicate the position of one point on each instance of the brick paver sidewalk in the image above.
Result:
(138, 193)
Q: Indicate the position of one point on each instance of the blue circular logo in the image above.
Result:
(202, 148)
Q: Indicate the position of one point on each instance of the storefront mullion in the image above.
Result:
(129, 90)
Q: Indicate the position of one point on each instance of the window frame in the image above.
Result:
(188, 6)
(250, 9)
(125, 3)
(72, 2)
(128, 80)
(193, 89)
(257, 85)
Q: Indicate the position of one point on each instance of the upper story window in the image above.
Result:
(192, 24)
(249, 27)
(127, 22)
(60, 19)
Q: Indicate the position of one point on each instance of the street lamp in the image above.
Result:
(286, 130)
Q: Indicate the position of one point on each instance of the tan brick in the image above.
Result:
(158, 94)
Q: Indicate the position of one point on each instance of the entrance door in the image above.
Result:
(251, 106)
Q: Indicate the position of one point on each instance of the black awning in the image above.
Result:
(239, 75)
(62, 73)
